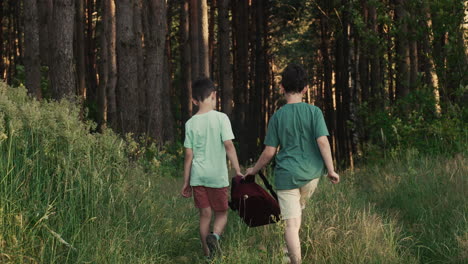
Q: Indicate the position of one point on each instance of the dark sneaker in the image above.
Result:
(213, 245)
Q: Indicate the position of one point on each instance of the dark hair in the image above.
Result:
(202, 88)
(293, 78)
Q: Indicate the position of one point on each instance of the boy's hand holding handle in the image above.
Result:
(238, 173)
(250, 171)
(268, 153)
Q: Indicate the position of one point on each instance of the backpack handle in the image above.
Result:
(268, 185)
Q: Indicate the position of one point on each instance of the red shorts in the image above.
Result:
(216, 198)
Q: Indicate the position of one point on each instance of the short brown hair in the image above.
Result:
(202, 88)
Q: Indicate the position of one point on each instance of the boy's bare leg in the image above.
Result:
(205, 219)
(220, 222)
(291, 236)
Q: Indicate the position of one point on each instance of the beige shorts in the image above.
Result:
(293, 201)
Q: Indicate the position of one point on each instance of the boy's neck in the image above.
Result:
(293, 98)
(204, 108)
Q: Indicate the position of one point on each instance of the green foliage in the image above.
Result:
(20, 79)
(414, 123)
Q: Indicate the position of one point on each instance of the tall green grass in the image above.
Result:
(68, 196)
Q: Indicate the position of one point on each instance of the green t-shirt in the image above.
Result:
(295, 128)
(205, 135)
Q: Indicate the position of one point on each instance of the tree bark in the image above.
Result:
(155, 47)
(185, 66)
(414, 64)
(127, 82)
(194, 39)
(327, 78)
(45, 13)
(364, 59)
(241, 75)
(110, 32)
(91, 76)
(168, 122)
(374, 49)
(402, 47)
(32, 60)
(103, 67)
(62, 72)
(430, 77)
(225, 70)
(203, 38)
(138, 10)
(80, 48)
(212, 38)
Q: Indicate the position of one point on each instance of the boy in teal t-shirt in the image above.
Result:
(208, 138)
(300, 132)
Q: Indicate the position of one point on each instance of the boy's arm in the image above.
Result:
(267, 154)
(232, 156)
(325, 150)
(186, 189)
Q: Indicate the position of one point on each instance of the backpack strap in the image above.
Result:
(268, 185)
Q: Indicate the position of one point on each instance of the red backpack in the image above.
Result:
(253, 204)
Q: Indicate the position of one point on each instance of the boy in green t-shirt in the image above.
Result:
(208, 138)
(301, 133)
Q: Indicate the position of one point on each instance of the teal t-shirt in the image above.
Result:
(295, 128)
(205, 135)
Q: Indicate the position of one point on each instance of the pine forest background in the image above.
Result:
(95, 94)
(131, 62)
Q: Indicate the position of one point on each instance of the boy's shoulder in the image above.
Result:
(310, 107)
(212, 114)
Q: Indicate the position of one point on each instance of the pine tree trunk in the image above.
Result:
(103, 67)
(155, 48)
(138, 10)
(110, 32)
(364, 60)
(80, 48)
(127, 82)
(32, 60)
(225, 70)
(402, 47)
(194, 39)
(375, 76)
(168, 122)
(45, 10)
(203, 38)
(257, 99)
(61, 37)
(185, 65)
(240, 34)
(91, 76)
(211, 39)
(414, 64)
(327, 78)
(430, 77)
(10, 47)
